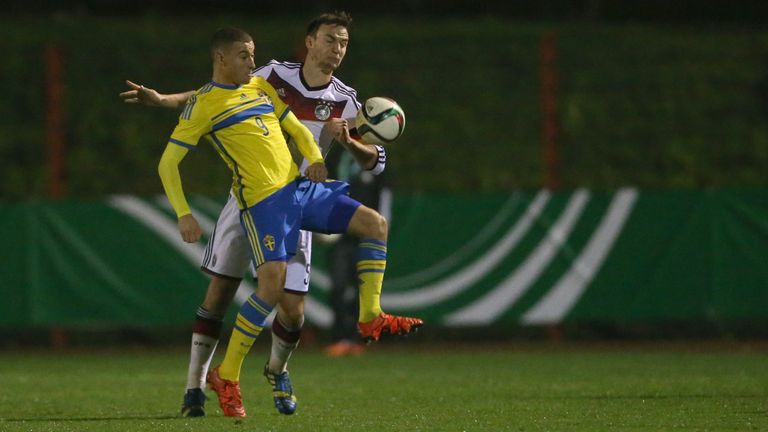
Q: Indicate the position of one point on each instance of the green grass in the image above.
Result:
(411, 388)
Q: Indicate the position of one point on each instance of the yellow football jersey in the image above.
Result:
(243, 123)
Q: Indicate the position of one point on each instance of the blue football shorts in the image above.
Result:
(272, 225)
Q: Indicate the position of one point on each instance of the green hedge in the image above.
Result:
(647, 106)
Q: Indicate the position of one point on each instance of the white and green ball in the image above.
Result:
(380, 121)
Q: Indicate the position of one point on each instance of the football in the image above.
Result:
(380, 121)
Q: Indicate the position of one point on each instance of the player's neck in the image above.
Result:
(221, 78)
(314, 76)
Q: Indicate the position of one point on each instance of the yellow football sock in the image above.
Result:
(372, 261)
(248, 326)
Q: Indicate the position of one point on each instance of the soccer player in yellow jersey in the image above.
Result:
(324, 104)
(243, 118)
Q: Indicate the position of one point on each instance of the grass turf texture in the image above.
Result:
(413, 388)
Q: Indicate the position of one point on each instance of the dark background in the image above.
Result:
(652, 94)
(716, 12)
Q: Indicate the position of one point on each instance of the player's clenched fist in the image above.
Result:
(317, 172)
(189, 228)
(342, 132)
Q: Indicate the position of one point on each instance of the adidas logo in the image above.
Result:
(243, 96)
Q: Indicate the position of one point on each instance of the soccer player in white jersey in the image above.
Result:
(326, 106)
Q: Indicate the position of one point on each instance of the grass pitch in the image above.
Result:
(410, 388)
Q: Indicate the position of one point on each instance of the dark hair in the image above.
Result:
(340, 18)
(226, 36)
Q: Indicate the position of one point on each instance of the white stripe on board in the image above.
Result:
(464, 279)
(167, 229)
(498, 300)
(158, 223)
(319, 279)
(99, 266)
(206, 223)
(560, 299)
(461, 255)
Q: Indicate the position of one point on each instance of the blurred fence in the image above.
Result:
(639, 105)
(515, 259)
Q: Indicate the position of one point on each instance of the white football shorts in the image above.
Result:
(228, 254)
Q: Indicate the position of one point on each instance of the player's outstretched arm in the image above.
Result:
(138, 94)
(337, 129)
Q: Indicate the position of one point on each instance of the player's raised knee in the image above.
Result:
(368, 223)
(376, 226)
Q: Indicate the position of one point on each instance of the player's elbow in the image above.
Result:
(162, 168)
(165, 168)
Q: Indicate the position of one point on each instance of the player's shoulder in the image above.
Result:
(203, 94)
(199, 102)
(344, 90)
(280, 67)
(204, 90)
(209, 98)
(260, 82)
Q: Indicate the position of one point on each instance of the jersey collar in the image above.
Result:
(306, 86)
(226, 86)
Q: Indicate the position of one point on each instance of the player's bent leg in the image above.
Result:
(372, 228)
(343, 214)
(367, 223)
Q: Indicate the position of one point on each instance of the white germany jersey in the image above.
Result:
(313, 106)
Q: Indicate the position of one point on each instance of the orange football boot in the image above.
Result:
(230, 400)
(372, 330)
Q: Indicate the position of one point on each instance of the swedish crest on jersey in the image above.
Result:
(269, 242)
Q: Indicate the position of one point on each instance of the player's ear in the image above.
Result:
(309, 41)
(218, 56)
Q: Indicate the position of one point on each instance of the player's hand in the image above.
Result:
(189, 228)
(138, 94)
(342, 132)
(334, 126)
(317, 172)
